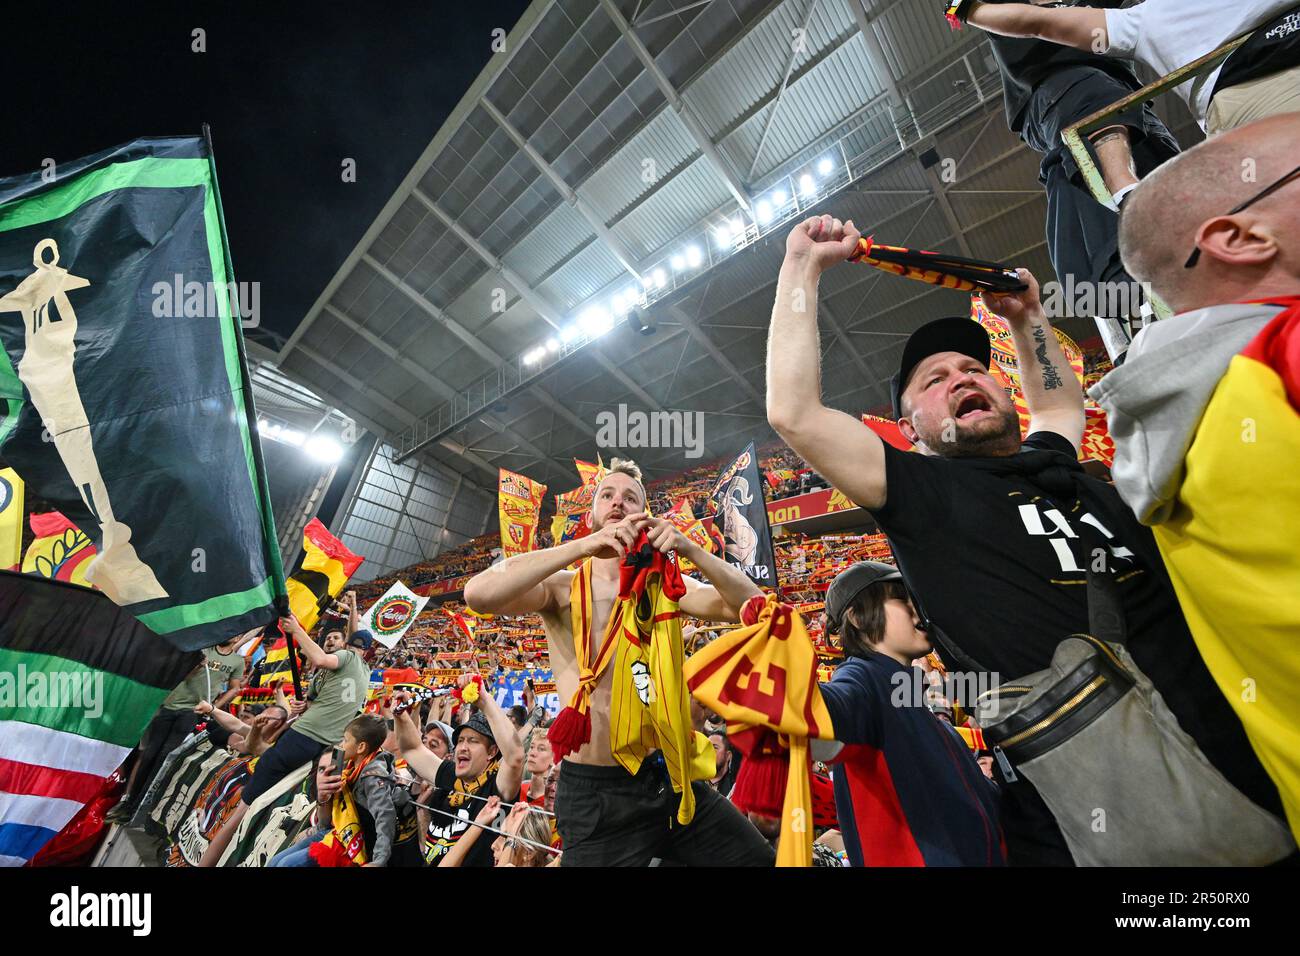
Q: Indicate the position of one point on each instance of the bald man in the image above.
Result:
(1204, 416)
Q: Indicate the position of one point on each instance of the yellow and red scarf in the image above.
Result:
(345, 844)
(765, 676)
(649, 708)
(950, 272)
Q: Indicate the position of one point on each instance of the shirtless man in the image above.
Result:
(606, 816)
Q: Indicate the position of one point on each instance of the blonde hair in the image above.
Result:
(626, 466)
(535, 827)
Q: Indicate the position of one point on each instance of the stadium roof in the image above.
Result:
(632, 156)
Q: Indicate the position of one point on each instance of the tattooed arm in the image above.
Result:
(1052, 393)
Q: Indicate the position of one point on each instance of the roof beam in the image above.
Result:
(393, 408)
(795, 50)
(436, 384)
(700, 338)
(616, 246)
(686, 114)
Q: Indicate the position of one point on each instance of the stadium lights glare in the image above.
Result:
(552, 345)
(722, 236)
(595, 321)
(534, 356)
(693, 256)
(806, 185)
(764, 212)
(324, 449)
(619, 303)
(737, 228)
(779, 197)
(824, 166)
(659, 278)
(569, 333)
(678, 263)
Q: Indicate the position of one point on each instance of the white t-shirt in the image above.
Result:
(1168, 34)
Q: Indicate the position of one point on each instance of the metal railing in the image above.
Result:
(876, 135)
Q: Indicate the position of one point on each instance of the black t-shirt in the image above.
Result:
(999, 568)
(1027, 64)
(1274, 47)
(444, 832)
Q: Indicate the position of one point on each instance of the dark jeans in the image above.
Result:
(289, 752)
(1082, 234)
(607, 817)
(163, 735)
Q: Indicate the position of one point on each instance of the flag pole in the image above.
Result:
(274, 563)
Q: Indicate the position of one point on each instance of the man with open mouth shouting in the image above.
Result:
(996, 537)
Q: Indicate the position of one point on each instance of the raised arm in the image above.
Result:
(842, 449)
(1052, 393)
(511, 771)
(418, 757)
(518, 585)
(1083, 28)
(316, 656)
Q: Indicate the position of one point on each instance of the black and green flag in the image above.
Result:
(126, 393)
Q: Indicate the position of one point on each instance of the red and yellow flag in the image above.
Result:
(682, 515)
(765, 675)
(325, 569)
(60, 551)
(519, 505)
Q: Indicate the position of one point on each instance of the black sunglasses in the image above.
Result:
(1266, 191)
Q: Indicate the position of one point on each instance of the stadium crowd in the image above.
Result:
(993, 548)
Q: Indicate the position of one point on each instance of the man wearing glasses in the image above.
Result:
(1204, 416)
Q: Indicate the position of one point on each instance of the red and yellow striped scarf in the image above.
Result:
(649, 707)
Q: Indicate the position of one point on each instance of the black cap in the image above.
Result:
(953, 334)
(852, 582)
(477, 723)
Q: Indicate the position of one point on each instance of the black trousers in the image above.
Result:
(1082, 234)
(607, 817)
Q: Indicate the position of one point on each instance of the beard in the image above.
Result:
(990, 438)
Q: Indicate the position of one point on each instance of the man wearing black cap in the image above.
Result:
(994, 536)
(486, 760)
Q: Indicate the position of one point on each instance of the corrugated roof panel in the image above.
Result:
(682, 202)
(750, 69)
(555, 237)
(839, 86)
(661, 146)
(581, 277)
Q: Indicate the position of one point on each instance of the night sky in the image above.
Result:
(290, 89)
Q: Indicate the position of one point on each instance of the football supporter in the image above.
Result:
(987, 529)
(1204, 415)
(607, 815)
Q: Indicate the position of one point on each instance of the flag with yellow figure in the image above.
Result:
(519, 506)
(765, 675)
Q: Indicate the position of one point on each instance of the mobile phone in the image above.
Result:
(338, 761)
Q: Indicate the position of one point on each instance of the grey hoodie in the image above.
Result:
(1155, 400)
